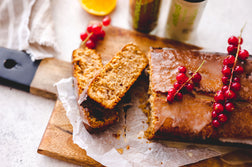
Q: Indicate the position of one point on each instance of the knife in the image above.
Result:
(17, 70)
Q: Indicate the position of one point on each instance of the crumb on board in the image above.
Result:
(190, 154)
(120, 150)
(139, 137)
(127, 147)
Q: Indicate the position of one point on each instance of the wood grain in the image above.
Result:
(49, 72)
(57, 140)
(57, 143)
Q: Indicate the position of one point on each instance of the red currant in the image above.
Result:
(96, 28)
(94, 38)
(181, 78)
(233, 40)
(179, 96)
(90, 28)
(226, 71)
(229, 94)
(216, 123)
(238, 70)
(235, 86)
(229, 61)
(218, 108)
(224, 88)
(219, 97)
(170, 98)
(177, 85)
(229, 107)
(182, 69)
(225, 80)
(83, 36)
(172, 91)
(196, 78)
(232, 49)
(189, 87)
(101, 34)
(236, 79)
(222, 118)
(90, 44)
(106, 21)
(214, 114)
(243, 55)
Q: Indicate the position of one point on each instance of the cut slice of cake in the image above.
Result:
(86, 64)
(191, 118)
(115, 79)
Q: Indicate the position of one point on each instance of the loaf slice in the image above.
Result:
(114, 80)
(191, 118)
(86, 64)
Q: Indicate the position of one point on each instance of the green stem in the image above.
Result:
(236, 56)
(89, 35)
(189, 78)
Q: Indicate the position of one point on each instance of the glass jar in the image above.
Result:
(184, 17)
(144, 14)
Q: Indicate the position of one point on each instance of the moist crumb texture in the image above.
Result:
(110, 85)
(86, 64)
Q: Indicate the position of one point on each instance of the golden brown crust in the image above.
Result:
(86, 63)
(239, 124)
(115, 79)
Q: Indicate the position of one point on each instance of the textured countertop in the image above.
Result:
(23, 117)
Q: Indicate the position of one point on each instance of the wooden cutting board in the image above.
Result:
(57, 140)
(57, 143)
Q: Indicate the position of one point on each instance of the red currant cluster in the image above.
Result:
(94, 33)
(231, 82)
(183, 84)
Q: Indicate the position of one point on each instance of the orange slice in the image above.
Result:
(98, 7)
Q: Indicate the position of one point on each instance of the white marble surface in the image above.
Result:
(23, 117)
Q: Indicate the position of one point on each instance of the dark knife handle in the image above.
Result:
(17, 69)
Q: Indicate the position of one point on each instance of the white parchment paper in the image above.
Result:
(123, 143)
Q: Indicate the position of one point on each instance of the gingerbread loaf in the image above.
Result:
(86, 64)
(115, 79)
(191, 118)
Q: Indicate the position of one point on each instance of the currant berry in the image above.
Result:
(182, 69)
(225, 80)
(222, 118)
(236, 79)
(196, 78)
(229, 61)
(235, 86)
(216, 123)
(106, 20)
(181, 78)
(214, 114)
(189, 87)
(101, 34)
(243, 55)
(232, 49)
(229, 94)
(238, 70)
(233, 40)
(179, 96)
(229, 107)
(90, 44)
(218, 107)
(177, 85)
(172, 91)
(219, 97)
(90, 28)
(96, 28)
(226, 71)
(83, 36)
(170, 98)
(224, 88)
